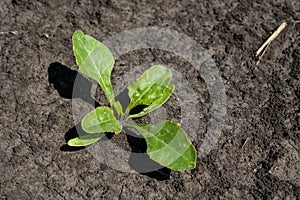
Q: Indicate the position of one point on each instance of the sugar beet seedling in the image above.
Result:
(167, 142)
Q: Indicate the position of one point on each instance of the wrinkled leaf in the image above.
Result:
(94, 60)
(99, 120)
(151, 88)
(156, 104)
(168, 145)
(85, 140)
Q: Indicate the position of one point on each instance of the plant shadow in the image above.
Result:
(140, 161)
(70, 134)
(63, 79)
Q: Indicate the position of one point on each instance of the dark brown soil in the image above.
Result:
(258, 154)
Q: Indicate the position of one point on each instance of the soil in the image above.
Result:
(258, 153)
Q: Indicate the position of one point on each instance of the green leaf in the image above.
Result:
(118, 108)
(85, 140)
(99, 120)
(156, 104)
(168, 145)
(151, 88)
(94, 60)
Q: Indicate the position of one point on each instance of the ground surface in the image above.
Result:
(257, 156)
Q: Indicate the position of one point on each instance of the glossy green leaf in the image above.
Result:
(151, 88)
(94, 60)
(157, 103)
(168, 145)
(85, 140)
(99, 120)
(118, 108)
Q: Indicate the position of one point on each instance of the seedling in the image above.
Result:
(167, 142)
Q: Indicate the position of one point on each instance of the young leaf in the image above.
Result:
(118, 108)
(99, 120)
(151, 88)
(85, 140)
(168, 145)
(94, 60)
(156, 104)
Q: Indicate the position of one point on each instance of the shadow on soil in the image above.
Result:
(140, 161)
(63, 80)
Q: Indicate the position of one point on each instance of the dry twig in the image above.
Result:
(246, 141)
(261, 51)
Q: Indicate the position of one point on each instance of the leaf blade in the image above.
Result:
(99, 120)
(149, 89)
(168, 145)
(85, 140)
(157, 103)
(94, 60)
